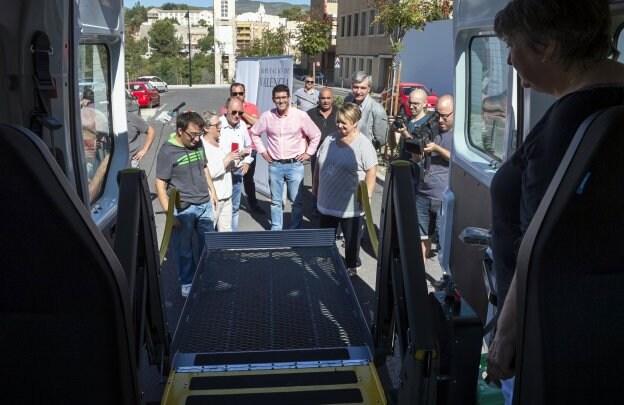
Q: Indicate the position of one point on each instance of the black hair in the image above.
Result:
(281, 88)
(189, 117)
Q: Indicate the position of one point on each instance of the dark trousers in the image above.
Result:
(248, 182)
(352, 230)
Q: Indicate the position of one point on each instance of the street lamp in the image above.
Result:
(188, 19)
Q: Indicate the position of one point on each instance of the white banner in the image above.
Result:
(260, 75)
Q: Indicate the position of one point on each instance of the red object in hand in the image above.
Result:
(234, 147)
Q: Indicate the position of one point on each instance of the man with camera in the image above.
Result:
(418, 109)
(434, 177)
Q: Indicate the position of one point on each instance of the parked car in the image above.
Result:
(146, 94)
(155, 81)
(404, 90)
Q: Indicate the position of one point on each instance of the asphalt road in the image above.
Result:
(211, 99)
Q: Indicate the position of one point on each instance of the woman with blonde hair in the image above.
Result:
(344, 159)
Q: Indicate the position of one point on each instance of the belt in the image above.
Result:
(286, 161)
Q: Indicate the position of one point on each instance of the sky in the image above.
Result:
(202, 3)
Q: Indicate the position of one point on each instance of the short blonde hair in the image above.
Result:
(349, 112)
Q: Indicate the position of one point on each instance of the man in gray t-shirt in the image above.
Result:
(306, 97)
(138, 129)
(435, 181)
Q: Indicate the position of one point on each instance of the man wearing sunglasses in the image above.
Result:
(234, 137)
(181, 163)
(250, 116)
(306, 97)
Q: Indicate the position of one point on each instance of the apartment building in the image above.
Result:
(195, 16)
(326, 9)
(361, 45)
(225, 35)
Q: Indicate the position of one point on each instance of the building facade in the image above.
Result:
(196, 16)
(326, 9)
(361, 45)
(225, 40)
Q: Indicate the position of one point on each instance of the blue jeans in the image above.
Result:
(290, 174)
(198, 218)
(237, 189)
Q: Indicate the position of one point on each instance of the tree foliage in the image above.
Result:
(206, 44)
(314, 36)
(272, 43)
(174, 6)
(163, 39)
(292, 14)
(134, 17)
(398, 17)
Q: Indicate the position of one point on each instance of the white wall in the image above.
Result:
(427, 57)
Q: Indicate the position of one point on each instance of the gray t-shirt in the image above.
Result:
(305, 101)
(137, 128)
(436, 180)
(341, 168)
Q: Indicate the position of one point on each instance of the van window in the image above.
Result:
(487, 106)
(620, 43)
(96, 122)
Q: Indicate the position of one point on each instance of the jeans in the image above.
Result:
(353, 232)
(248, 181)
(195, 218)
(290, 174)
(237, 189)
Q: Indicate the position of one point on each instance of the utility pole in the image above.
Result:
(188, 19)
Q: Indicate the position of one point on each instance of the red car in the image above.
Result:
(146, 94)
(404, 91)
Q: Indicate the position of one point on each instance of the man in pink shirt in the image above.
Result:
(292, 137)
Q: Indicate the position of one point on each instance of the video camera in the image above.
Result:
(399, 122)
(423, 134)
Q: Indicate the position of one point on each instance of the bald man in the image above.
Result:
(418, 110)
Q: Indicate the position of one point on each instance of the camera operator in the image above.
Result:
(418, 107)
(435, 179)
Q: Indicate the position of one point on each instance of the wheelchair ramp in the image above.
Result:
(272, 318)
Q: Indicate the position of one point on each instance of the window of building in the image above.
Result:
(95, 116)
(224, 9)
(380, 29)
(361, 64)
(371, 27)
(369, 66)
(353, 65)
(363, 23)
(356, 24)
(345, 70)
(487, 108)
(342, 26)
(348, 25)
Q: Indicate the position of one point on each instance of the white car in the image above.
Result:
(155, 81)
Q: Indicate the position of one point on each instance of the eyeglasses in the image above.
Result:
(215, 125)
(194, 135)
(445, 116)
(240, 113)
(309, 81)
(238, 93)
(415, 103)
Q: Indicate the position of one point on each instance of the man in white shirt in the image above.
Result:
(234, 136)
(219, 166)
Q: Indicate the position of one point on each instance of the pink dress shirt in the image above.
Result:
(288, 135)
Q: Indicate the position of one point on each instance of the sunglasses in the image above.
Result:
(240, 93)
(195, 135)
(240, 113)
(309, 81)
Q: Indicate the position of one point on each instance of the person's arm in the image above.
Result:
(161, 193)
(149, 139)
(380, 123)
(213, 192)
(501, 355)
(313, 133)
(371, 180)
(433, 147)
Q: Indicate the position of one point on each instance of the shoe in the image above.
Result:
(186, 289)
(258, 209)
(352, 271)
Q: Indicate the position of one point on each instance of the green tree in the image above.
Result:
(134, 17)
(163, 39)
(174, 6)
(292, 14)
(314, 37)
(272, 43)
(135, 63)
(202, 22)
(206, 44)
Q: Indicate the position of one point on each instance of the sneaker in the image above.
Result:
(258, 209)
(352, 271)
(186, 289)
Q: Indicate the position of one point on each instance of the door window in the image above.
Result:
(96, 123)
(487, 106)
